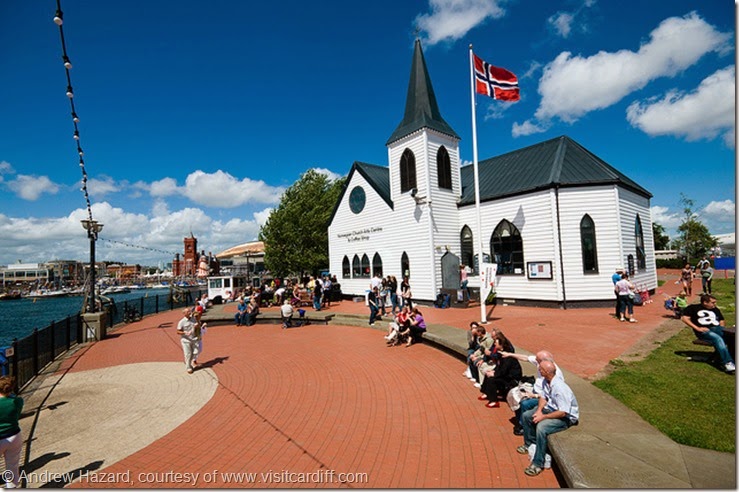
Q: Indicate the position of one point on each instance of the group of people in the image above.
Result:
(407, 327)
(542, 408)
(687, 274)
(384, 291)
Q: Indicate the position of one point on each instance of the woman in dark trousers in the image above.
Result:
(506, 375)
(372, 301)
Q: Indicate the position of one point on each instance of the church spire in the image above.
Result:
(421, 109)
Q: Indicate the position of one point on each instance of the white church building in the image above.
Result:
(556, 219)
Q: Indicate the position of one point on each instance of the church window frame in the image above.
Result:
(444, 168)
(506, 249)
(408, 179)
(588, 245)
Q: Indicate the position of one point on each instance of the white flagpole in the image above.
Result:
(483, 315)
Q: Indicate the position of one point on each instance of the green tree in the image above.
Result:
(693, 240)
(295, 235)
(661, 240)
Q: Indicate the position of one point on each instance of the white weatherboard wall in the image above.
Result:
(599, 203)
(532, 214)
(630, 204)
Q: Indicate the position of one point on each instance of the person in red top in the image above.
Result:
(400, 324)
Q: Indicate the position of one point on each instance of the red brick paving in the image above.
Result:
(335, 398)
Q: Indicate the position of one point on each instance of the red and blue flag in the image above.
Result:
(495, 82)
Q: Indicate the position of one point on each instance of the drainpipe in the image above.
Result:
(561, 261)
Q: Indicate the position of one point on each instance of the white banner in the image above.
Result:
(488, 272)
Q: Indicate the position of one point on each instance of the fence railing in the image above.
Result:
(31, 354)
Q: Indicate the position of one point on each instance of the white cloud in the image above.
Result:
(261, 217)
(100, 187)
(704, 113)
(665, 218)
(724, 209)
(163, 187)
(220, 189)
(528, 128)
(6, 168)
(572, 86)
(32, 187)
(452, 19)
(332, 176)
(562, 23)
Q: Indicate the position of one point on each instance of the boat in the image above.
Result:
(9, 296)
(115, 289)
(43, 293)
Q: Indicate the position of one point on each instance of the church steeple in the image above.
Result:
(421, 109)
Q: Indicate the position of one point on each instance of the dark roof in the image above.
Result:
(377, 176)
(558, 162)
(421, 109)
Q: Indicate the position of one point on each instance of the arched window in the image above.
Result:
(356, 267)
(506, 247)
(346, 269)
(467, 248)
(588, 245)
(405, 265)
(365, 266)
(377, 265)
(641, 257)
(407, 171)
(444, 168)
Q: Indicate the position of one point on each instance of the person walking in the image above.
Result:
(11, 439)
(189, 331)
(374, 308)
(625, 290)
(615, 278)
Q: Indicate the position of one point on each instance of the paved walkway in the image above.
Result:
(298, 405)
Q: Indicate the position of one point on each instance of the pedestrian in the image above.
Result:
(189, 331)
(686, 277)
(626, 291)
(615, 278)
(372, 302)
(11, 439)
(706, 275)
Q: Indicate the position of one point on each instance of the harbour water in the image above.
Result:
(19, 317)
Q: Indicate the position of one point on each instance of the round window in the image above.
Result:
(357, 198)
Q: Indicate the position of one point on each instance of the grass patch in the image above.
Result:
(694, 403)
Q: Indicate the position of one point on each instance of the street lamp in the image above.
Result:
(93, 227)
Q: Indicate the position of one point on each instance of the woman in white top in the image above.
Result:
(625, 290)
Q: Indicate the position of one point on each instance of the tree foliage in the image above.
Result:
(295, 235)
(693, 240)
(661, 239)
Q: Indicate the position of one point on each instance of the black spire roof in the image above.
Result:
(421, 109)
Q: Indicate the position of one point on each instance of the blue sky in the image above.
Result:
(195, 116)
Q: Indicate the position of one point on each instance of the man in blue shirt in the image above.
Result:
(557, 411)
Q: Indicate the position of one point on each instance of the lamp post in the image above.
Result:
(93, 227)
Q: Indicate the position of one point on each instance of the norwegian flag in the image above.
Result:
(495, 82)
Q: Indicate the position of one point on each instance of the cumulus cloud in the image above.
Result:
(664, 217)
(704, 113)
(162, 187)
(529, 127)
(332, 176)
(262, 216)
(450, 20)
(32, 187)
(220, 189)
(98, 188)
(571, 86)
(722, 209)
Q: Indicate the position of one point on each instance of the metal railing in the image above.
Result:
(30, 355)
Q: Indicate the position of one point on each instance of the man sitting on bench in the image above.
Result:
(708, 324)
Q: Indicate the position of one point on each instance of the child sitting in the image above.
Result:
(677, 304)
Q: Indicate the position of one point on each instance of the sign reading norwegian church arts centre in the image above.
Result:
(360, 235)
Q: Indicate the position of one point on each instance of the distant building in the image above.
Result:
(26, 273)
(124, 271)
(665, 254)
(247, 258)
(191, 261)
